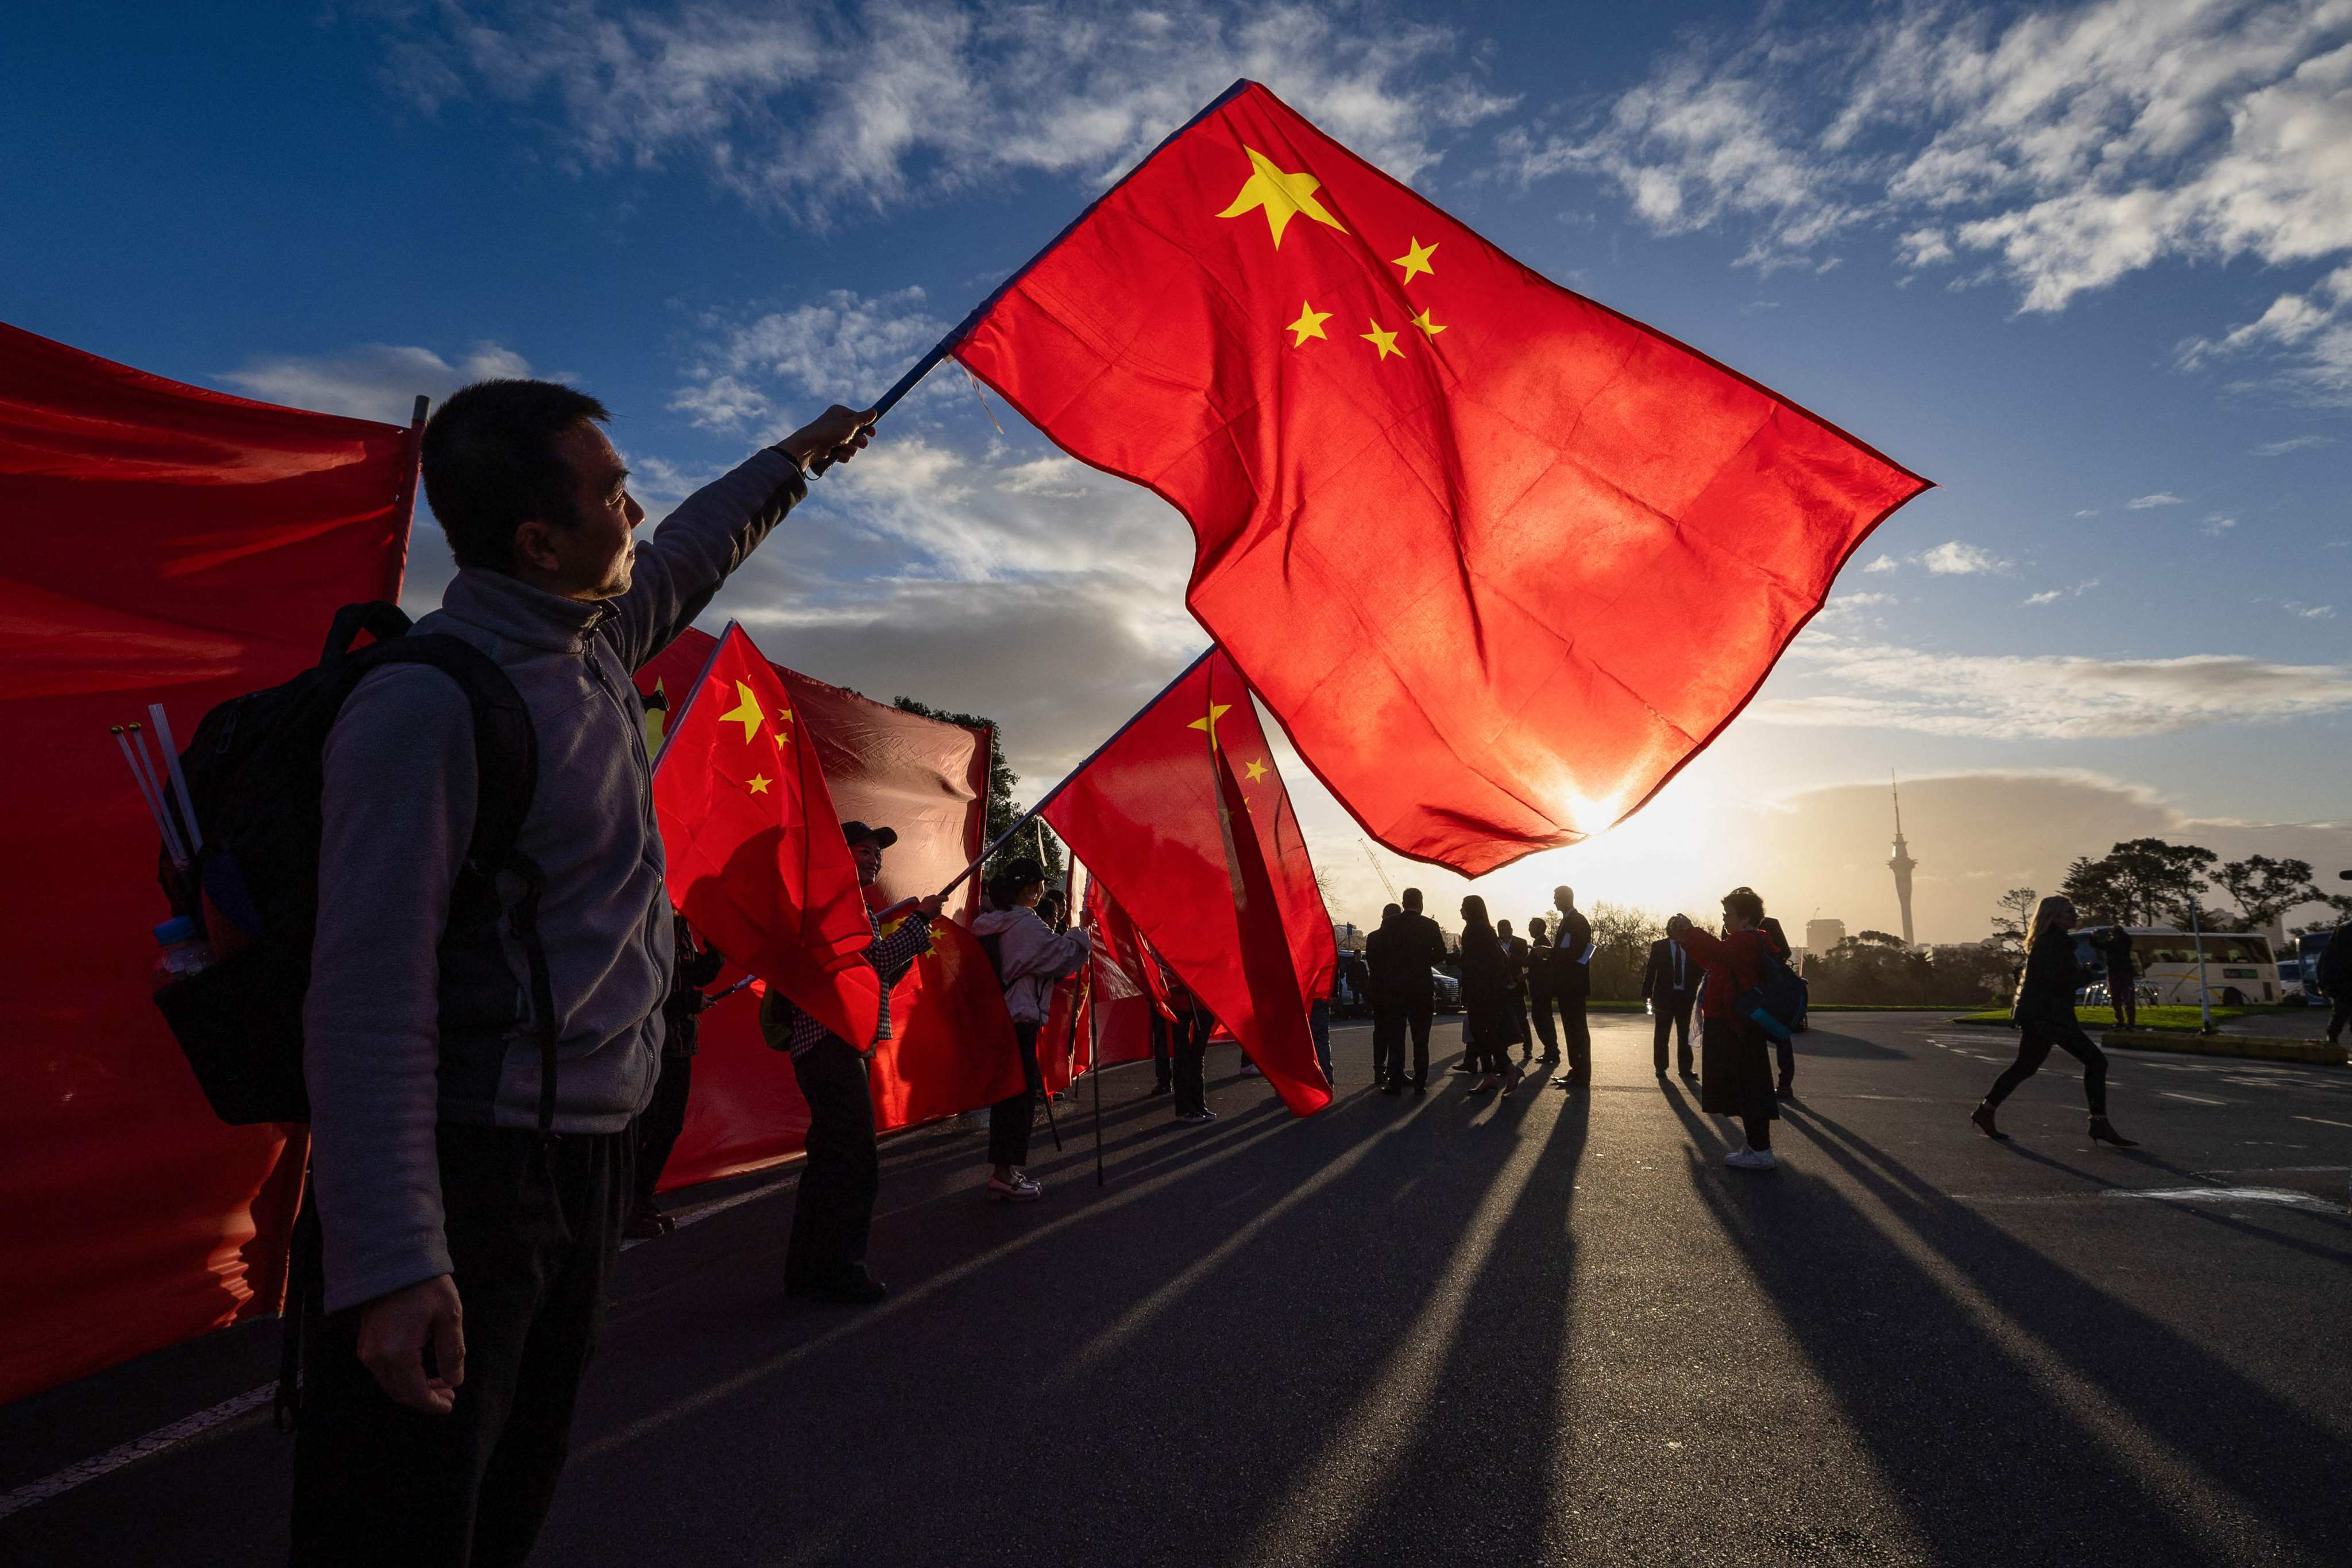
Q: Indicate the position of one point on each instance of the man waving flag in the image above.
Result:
(1179, 816)
(1499, 559)
(757, 861)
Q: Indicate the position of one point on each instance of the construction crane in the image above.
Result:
(1383, 875)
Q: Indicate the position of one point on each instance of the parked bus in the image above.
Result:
(2238, 969)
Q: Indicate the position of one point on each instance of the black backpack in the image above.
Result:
(1776, 1003)
(255, 772)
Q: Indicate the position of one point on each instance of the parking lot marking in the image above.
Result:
(2192, 1098)
(2324, 1122)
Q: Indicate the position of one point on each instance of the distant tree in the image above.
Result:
(2092, 887)
(1622, 936)
(1003, 810)
(2012, 913)
(2265, 888)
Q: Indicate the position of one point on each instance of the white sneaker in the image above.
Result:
(1023, 1188)
(1751, 1160)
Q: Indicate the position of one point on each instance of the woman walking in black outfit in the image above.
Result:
(1735, 1064)
(2044, 1012)
(1487, 1012)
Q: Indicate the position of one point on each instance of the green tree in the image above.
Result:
(1622, 936)
(2093, 888)
(2140, 881)
(2265, 888)
(1003, 810)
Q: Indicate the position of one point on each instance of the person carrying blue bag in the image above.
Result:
(1735, 1062)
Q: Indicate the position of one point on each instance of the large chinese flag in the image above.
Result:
(1499, 559)
(1168, 815)
(756, 856)
(952, 1045)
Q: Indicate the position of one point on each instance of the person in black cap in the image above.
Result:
(833, 1212)
(2334, 973)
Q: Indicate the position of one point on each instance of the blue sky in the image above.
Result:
(2088, 266)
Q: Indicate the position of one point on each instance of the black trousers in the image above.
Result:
(1388, 1043)
(1539, 1014)
(833, 1214)
(2342, 1015)
(1010, 1119)
(660, 1124)
(1784, 1051)
(533, 1228)
(2126, 1002)
(1162, 1064)
(2036, 1036)
(1671, 1013)
(1193, 1031)
(1418, 1015)
(1579, 1038)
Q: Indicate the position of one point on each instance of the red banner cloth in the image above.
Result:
(928, 780)
(1174, 820)
(164, 542)
(756, 858)
(1499, 559)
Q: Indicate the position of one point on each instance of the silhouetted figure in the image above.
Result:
(1388, 999)
(1540, 960)
(1515, 957)
(1412, 952)
(1485, 1000)
(1784, 1046)
(658, 1125)
(2121, 970)
(1571, 983)
(2045, 1011)
(1670, 985)
(1192, 1029)
(1736, 1078)
(2334, 973)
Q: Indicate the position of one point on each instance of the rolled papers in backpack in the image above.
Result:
(146, 793)
(179, 779)
(155, 797)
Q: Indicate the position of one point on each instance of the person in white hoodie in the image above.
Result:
(1030, 956)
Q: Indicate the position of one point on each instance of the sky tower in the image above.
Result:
(1901, 863)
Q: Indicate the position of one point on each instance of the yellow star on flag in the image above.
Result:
(1383, 341)
(1217, 711)
(1426, 325)
(1309, 325)
(759, 783)
(1256, 771)
(1415, 260)
(1280, 196)
(746, 712)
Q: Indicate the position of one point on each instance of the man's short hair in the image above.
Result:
(492, 463)
(1742, 903)
(1388, 912)
(1411, 899)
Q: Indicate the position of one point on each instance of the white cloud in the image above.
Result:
(2142, 503)
(2217, 525)
(843, 346)
(2047, 596)
(2046, 697)
(2318, 324)
(2057, 148)
(2310, 612)
(2088, 512)
(816, 109)
(1884, 563)
(2293, 444)
(371, 381)
(1953, 559)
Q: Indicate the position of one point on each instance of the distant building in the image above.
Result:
(1822, 935)
(1902, 865)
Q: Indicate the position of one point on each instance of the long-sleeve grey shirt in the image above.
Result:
(398, 812)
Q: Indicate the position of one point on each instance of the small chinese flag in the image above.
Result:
(1168, 816)
(756, 858)
(952, 1046)
(1499, 559)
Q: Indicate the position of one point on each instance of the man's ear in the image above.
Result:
(534, 546)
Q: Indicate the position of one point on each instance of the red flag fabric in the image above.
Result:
(756, 856)
(1164, 818)
(952, 1045)
(924, 779)
(163, 543)
(1444, 508)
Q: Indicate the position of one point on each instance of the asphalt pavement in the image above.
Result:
(1449, 1329)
